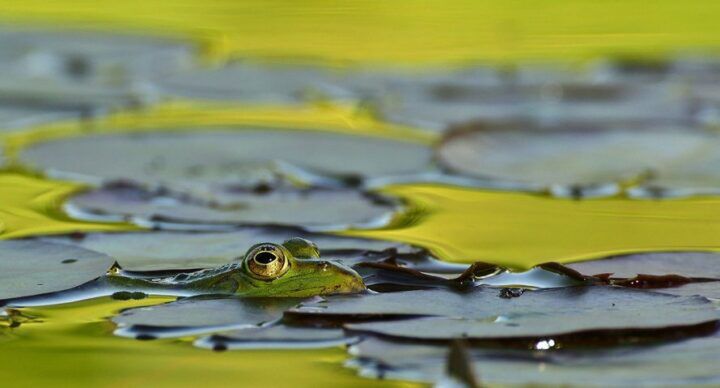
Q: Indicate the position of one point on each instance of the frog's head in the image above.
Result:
(294, 269)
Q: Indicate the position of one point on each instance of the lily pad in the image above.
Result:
(698, 273)
(182, 161)
(96, 56)
(673, 159)
(689, 264)
(82, 99)
(254, 82)
(15, 118)
(29, 268)
(165, 250)
(312, 208)
(193, 315)
(276, 336)
(437, 101)
(480, 313)
(690, 362)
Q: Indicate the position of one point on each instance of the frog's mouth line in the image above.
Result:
(346, 284)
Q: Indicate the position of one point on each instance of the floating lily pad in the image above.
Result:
(689, 264)
(557, 104)
(14, 118)
(165, 250)
(668, 158)
(79, 98)
(438, 100)
(30, 268)
(691, 362)
(276, 336)
(312, 208)
(480, 313)
(692, 268)
(255, 82)
(183, 160)
(194, 315)
(84, 55)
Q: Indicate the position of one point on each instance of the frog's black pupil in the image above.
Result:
(265, 257)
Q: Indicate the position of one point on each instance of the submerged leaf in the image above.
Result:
(203, 163)
(30, 268)
(676, 160)
(312, 208)
(166, 250)
(480, 313)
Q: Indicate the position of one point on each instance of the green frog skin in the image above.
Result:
(290, 269)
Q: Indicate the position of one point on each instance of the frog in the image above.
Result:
(291, 269)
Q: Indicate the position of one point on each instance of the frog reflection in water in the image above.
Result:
(290, 269)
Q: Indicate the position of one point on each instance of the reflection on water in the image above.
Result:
(523, 230)
(375, 31)
(31, 206)
(74, 342)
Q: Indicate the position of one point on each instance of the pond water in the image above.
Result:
(147, 157)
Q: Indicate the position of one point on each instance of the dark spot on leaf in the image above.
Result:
(508, 293)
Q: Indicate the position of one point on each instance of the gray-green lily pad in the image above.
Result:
(83, 56)
(698, 272)
(165, 250)
(688, 264)
(277, 336)
(311, 208)
(691, 362)
(80, 98)
(676, 160)
(254, 82)
(16, 118)
(203, 162)
(480, 313)
(194, 315)
(29, 268)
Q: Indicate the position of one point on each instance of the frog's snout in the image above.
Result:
(346, 280)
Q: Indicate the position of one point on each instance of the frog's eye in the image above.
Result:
(266, 261)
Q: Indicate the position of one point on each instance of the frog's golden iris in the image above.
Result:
(266, 261)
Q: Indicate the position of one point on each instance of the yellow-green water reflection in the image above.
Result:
(73, 345)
